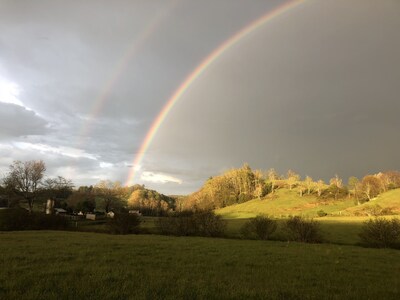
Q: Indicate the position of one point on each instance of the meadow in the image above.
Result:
(335, 230)
(76, 265)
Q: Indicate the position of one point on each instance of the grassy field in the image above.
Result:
(336, 230)
(76, 265)
(283, 203)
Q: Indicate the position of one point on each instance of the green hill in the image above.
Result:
(385, 203)
(285, 202)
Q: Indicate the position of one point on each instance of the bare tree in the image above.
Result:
(24, 178)
(59, 187)
(292, 178)
(370, 186)
(319, 186)
(112, 194)
(309, 183)
(336, 184)
(272, 177)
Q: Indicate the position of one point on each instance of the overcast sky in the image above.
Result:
(316, 89)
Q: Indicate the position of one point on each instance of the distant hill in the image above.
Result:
(286, 202)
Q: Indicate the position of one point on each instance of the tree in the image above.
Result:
(336, 185)
(354, 184)
(25, 178)
(58, 188)
(319, 186)
(272, 178)
(292, 178)
(259, 186)
(111, 193)
(309, 184)
(301, 187)
(370, 186)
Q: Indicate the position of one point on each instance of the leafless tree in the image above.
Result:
(24, 178)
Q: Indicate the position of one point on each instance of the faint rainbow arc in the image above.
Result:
(121, 66)
(214, 55)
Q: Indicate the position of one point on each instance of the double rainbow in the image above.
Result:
(197, 72)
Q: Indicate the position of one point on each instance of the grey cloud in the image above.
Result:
(16, 121)
(313, 89)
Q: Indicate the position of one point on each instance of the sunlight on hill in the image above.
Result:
(283, 203)
(385, 203)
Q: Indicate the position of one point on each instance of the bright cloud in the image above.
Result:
(105, 165)
(9, 92)
(64, 151)
(159, 178)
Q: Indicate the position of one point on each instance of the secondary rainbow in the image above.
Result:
(121, 66)
(197, 72)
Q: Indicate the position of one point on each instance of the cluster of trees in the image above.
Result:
(26, 183)
(150, 202)
(243, 184)
(233, 186)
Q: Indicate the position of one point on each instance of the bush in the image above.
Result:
(124, 223)
(260, 227)
(321, 213)
(21, 219)
(197, 224)
(381, 233)
(302, 230)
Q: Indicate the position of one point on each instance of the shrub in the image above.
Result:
(260, 227)
(321, 213)
(176, 225)
(381, 233)
(204, 223)
(124, 223)
(302, 230)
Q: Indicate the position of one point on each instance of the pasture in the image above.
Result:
(76, 265)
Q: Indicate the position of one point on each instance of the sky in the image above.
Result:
(314, 89)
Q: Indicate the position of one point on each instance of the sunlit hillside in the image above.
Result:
(286, 202)
(385, 203)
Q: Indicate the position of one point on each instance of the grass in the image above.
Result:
(390, 199)
(285, 202)
(76, 265)
(336, 230)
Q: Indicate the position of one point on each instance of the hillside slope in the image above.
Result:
(385, 203)
(285, 202)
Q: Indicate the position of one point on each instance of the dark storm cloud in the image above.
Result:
(16, 121)
(63, 55)
(315, 90)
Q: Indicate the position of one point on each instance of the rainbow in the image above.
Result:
(213, 56)
(121, 65)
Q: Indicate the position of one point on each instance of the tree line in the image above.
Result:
(26, 183)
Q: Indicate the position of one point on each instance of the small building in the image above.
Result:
(90, 216)
(95, 216)
(60, 211)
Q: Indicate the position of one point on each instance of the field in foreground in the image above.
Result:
(73, 265)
